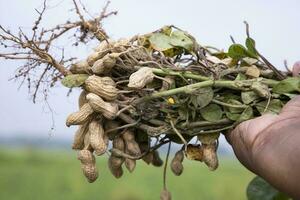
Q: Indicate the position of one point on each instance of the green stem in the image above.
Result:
(205, 123)
(190, 75)
(228, 105)
(180, 74)
(213, 131)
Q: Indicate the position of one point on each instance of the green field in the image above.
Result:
(42, 175)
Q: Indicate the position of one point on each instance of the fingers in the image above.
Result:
(296, 69)
(245, 135)
(292, 108)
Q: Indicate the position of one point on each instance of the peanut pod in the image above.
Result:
(88, 165)
(194, 152)
(141, 78)
(82, 98)
(109, 125)
(107, 109)
(78, 142)
(130, 164)
(156, 161)
(114, 162)
(105, 64)
(104, 87)
(93, 57)
(80, 116)
(176, 163)
(105, 45)
(210, 157)
(132, 147)
(98, 140)
(81, 67)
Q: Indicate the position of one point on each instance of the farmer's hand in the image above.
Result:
(270, 146)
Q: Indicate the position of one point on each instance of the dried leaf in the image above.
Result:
(253, 71)
(74, 80)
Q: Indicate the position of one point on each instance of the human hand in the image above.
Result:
(270, 146)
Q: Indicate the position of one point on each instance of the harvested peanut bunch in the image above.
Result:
(164, 87)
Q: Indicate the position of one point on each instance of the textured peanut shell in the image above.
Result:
(111, 124)
(115, 166)
(81, 67)
(144, 146)
(88, 165)
(82, 98)
(93, 57)
(132, 147)
(176, 163)
(103, 87)
(107, 109)
(104, 65)
(194, 152)
(141, 78)
(210, 157)
(130, 164)
(120, 45)
(156, 161)
(78, 142)
(165, 195)
(80, 116)
(98, 140)
(105, 45)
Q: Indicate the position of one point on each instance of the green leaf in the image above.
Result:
(259, 189)
(202, 97)
(246, 114)
(180, 39)
(232, 116)
(274, 106)
(240, 77)
(249, 96)
(250, 44)
(183, 113)
(74, 80)
(238, 51)
(212, 113)
(235, 102)
(160, 42)
(227, 96)
(288, 85)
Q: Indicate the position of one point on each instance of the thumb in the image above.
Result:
(296, 69)
(243, 137)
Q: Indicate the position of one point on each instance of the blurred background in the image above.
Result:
(35, 157)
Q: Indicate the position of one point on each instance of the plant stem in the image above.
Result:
(213, 131)
(190, 75)
(228, 105)
(205, 123)
(182, 74)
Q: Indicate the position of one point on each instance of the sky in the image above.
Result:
(274, 25)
